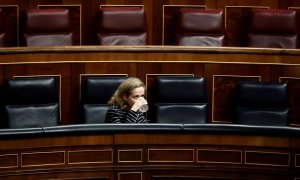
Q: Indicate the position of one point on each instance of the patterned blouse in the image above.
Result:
(117, 115)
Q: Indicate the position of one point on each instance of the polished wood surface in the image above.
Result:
(145, 156)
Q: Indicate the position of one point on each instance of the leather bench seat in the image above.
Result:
(84, 129)
(113, 128)
(282, 131)
(7, 133)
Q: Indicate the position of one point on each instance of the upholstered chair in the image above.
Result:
(200, 27)
(31, 102)
(96, 91)
(180, 100)
(272, 28)
(262, 103)
(122, 26)
(47, 27)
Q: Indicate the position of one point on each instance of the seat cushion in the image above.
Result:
(94, 113)
(181, 113)
(266, 117)
(200, 40)
(49, 40)
(19, 116)
(122, 39)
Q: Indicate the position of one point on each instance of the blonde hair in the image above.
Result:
(125, 88)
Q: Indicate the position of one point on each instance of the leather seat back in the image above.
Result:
(200, 27)
(122, 26)
(95, 94)
(272, 28)
(262, 103)
(48, 27)
(180, 100)
(31, 102)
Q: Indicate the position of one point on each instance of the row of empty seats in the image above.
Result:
(275, 28)
(34, 102)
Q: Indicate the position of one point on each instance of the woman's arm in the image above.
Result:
(134, 117)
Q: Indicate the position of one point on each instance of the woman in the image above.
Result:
(126, 102)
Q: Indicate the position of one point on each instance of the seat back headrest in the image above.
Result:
(28, 91)
(122, 20)
(98, 90)
(47, 21)
(273, 21)
(180, 90)
(262, 94)
(192, 20)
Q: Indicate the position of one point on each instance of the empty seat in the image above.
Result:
(95, 94)
(2, 33)
(200, 27)
(31, 102)
(122, 26)
(48, 27)
(272, 28)
(262, 103)
(180, 100)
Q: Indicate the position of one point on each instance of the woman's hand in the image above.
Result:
(139, 103)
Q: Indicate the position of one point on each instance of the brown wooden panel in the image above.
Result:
(130, 155)
(8, 161)
(130, 176)
(223, 96)
(219, 156)
(9, 20)
(90, 156)
(170, 155)
(267, 158)
(236, 20)
(42, 158)
(75, 13)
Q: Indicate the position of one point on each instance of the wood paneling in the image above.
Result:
(90, 156)
(42, 158)
(267, 158)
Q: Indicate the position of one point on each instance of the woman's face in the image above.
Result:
(135, 95)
